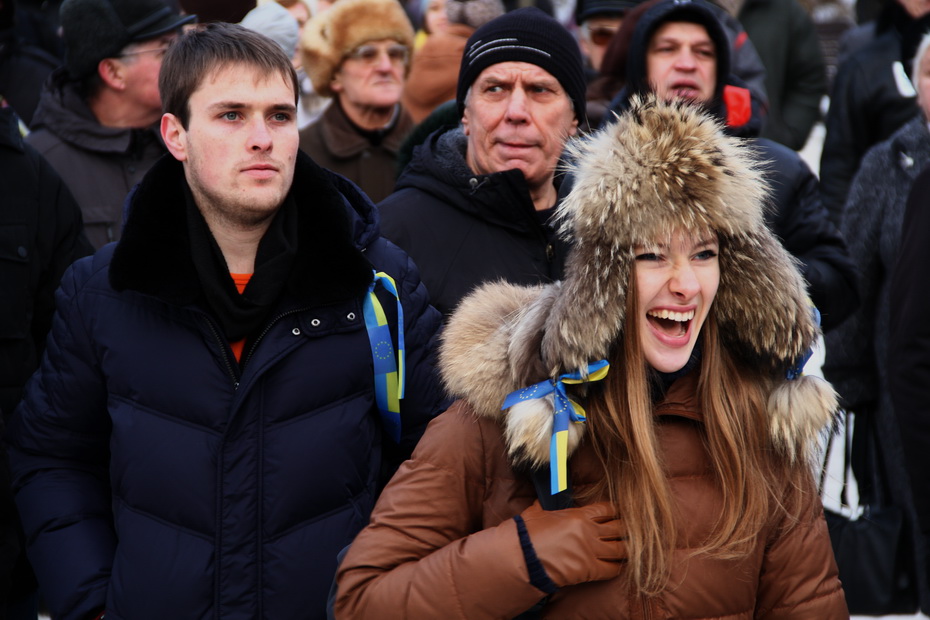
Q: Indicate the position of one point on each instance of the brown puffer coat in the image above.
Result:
(442, 542)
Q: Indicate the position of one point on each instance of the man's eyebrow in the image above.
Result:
(238, 105)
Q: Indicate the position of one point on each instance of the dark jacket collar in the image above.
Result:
(154, 257)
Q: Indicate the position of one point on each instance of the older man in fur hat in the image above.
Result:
(474, 203)
(96, 119)
(358, 52)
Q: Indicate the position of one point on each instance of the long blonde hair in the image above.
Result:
(750, 475)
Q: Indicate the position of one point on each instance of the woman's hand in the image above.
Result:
(576, 545)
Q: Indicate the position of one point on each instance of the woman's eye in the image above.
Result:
(647, 256)
(706, 255)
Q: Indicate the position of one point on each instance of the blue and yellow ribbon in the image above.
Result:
(797, 370)
(565, 410)
(389, 368)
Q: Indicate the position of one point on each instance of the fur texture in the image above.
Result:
(331, 36)
(659, 168)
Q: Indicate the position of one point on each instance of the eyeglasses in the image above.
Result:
(371, 54)
(601, 35)
(158, 50)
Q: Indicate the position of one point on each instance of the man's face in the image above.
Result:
(681, 62)
(517, 115)
(372, 76)
(596, 34)
(240, 145)
(142, 62)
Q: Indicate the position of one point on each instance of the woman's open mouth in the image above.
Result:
(670, 323)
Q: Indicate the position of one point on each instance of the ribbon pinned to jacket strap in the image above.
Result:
(565, 410)
(389, 367)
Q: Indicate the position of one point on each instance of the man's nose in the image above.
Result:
(259, 135)
(517, 105)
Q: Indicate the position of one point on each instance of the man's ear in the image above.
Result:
(174, 136)
(113, 73)
(465, 121)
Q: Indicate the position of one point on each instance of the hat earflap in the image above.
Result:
(799, 410)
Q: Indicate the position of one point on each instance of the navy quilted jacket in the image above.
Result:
(157, 479)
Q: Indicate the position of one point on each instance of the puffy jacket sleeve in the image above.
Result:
(799, 578)
(59, 452)
(426, 552)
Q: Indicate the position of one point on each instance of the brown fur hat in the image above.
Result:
(329, 37)
(659, 168)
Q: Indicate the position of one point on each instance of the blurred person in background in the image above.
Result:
(96, 123)
(598, 21)
(859, 360)
(872, 96)
(24, 66)
(434, 70)
(41, 234)
(358, 52)
(786, 40)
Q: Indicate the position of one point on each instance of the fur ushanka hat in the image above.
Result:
(660, 167)
(331, 36)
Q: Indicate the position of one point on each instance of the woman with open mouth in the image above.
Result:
(630, 442)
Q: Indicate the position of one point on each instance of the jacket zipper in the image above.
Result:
(267, 329)
(224, 348)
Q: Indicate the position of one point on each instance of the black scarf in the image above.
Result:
(242, 315)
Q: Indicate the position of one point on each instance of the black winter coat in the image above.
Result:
(872, 97)
(462, 228)
(159, 479)
(908, 360)
(40, 236)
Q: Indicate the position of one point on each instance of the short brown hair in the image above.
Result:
(203, 51)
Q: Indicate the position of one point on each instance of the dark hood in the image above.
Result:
(694, 11)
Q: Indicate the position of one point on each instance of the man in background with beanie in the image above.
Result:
(95, 123)
(474, 203)
(229, 386)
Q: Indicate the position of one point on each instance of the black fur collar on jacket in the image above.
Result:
(154, 257)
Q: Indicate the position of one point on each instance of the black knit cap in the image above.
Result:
(98, 29)
(525, 35)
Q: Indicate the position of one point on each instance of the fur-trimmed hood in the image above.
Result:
(659, 168)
